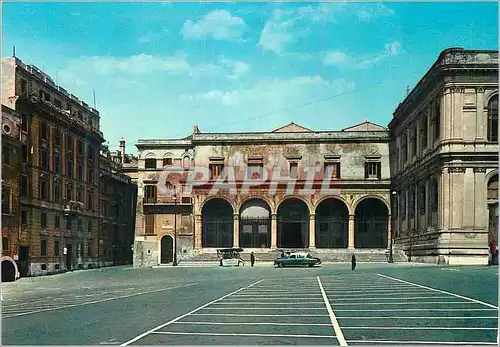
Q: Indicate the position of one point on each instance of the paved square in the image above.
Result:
(379, 303)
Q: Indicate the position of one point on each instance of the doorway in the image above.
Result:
(167, 249)
(69, 252)
(23, 260)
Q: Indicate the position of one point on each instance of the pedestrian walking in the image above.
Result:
(252, 259)
(353, 262)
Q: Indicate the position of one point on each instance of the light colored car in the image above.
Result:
(297, 259)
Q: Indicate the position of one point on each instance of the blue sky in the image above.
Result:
(160, 68)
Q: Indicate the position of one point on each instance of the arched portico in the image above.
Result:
(492, 196)
(10, 273)
(217, 223)
(255, 224)
(371, 223)
(293, 224)
(332, 221)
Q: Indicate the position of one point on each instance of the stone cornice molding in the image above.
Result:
(456, 170)
(479, 170)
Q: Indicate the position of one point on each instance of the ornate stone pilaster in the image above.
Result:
(236, 230)
(389, 230)
(312, 230)
(351, 232)
(274, 231)
(198, 231)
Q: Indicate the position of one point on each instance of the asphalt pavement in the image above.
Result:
(330, 304)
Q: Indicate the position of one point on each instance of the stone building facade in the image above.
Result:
(444, 161)
(58, 172)
(11, 162)
(291, 188)
(117, 201)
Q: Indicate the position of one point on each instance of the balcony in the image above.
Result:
(149, 200)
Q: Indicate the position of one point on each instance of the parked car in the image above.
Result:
(297, 259)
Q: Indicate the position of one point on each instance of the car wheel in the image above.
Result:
(280, 264)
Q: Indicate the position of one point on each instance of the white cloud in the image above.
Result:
(238, 69)
(219, 24)
(152, 36)
(341, 59)
(276, 93)
(287, 26)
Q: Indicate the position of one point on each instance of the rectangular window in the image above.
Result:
(90, 153)
(332, 170)
(24, 123)
(89, 227)
(58, 103)
(411, 203)
(150, 163)
(44, 160)
(89, 201)
(215, 170)
(402, 204)
(69, 143)
(422, 198)
(24, 217)
(413, 142)
(294, 173)
(437, 123)
(24, 86)
(89, 249)
(5, 155)
(5, 244)
(434, 195)
(56, 248)
(423, 134)
(255, 171)
(373, 170)
(80, 147)
(43, 247)
(69, 167)
(57, 164)
(6, 200)
(24, 153)
(57, 222)
(90, 175)
(43, 220)
(69, 192)
(150, 224)
(79, 195)
(44, 134)
(24, 186)
(44, 190)
(57, 192)
(57, 138)
(150, 193)
(404, 150)
(69, 224)
(167, 161)
(80, 172)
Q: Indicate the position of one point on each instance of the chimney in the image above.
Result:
(196, 130)
(122, 150)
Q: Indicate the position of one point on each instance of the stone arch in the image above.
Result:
(217, 216)
(488, 96)
(207, 200)
(166, 246)
(10, 272)
(370, 196)
(489, 175)
(150, 155)
(168, 155)
(268, 201)
(491, 106)
(371, 218)
(338, 197)
(332, 223)
(255, 223)
(293, 214)
(298, 197)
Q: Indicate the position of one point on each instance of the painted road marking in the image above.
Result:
(396, 298)
(97, 301)
(441, 291)
(151, 331)
(259, 315)
(254, 323)
(335, 323)
(421, 291)
(421, 309)
(234, 334)
(269, 303)
(367, 342)
(406, 303)
(417, 328)
(405, 317)
(264, 308)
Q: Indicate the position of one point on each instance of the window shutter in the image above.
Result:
(366, 170)
(379, 171)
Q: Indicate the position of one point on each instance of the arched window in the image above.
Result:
(493, 119)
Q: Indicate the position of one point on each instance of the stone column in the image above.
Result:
(198, 231)
(274, 232)
(312, 231)
(351, 232)
(236, 230)
(480, 115)
(456, 196)
(389, 230)
(481, 215)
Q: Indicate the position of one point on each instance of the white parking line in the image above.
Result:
(417, 328)
(421, 291)
(405, 303)
(274, 295)
(235, 334)
(409, 343)
(151, 331)
(335, 323)
(96, 301)
(254, 323)
(387, 290)
(270, 303)
(405, 317)
(441, 291)
(259, 315)
(420, 309)
(264, 308)
(393, 298)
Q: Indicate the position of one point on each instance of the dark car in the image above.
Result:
(297, 259)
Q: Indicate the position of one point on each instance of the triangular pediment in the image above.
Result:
(365, 126)
(292, 128)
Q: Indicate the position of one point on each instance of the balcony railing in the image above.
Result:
(149, 200)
